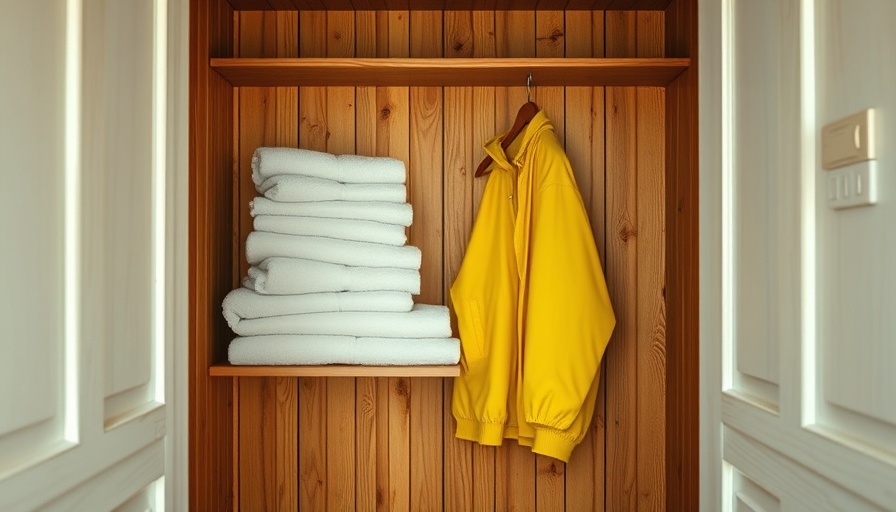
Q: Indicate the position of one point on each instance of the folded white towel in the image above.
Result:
(295, 349)
(267, 162)
(423, 321)
(261, 245)
(242, 303)
(285, 276)
(292, 188)
(377, 211)
(344, 229)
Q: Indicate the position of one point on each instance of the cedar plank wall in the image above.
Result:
(387, 443)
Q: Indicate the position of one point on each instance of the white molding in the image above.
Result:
(710, 163)
(177, 265)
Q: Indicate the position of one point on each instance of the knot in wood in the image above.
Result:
(386, 112)
(626, 231)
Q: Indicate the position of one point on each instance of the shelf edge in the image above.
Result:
(436, 72)
(229, 370)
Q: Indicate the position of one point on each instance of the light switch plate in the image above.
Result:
(851, 186)
(848, 140)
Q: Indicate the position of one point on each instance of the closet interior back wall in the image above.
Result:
(388, 443)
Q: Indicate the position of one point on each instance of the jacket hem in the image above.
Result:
(489, 434)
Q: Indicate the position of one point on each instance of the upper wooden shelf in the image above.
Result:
(450, 72)
(453, 5)
(333, 370)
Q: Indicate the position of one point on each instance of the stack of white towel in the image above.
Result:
(331, 277)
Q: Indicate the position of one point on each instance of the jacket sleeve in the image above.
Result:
(569, 317)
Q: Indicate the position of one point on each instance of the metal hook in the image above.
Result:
(528, 84)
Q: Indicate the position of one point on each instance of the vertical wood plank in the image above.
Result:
(425, 34)
(399, 444)
(368, 495)
(550, 41)
(313, 391)
(458, 34)
(366, 439)
(425, 178)
(622, 246)
(286, 442)
(312, 444)
(458, 221)
(651, 312)
(585, 147)
(426, 444)
(257, 454)
(484, 128)
(340, 112)
(268, 456)
(340, 443)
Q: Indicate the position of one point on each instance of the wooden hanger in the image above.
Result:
(525, 115)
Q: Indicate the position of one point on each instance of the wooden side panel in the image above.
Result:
(211, 252)
(682, 265)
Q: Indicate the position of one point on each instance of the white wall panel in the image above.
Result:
(118, 190)
(32, 227)
(750, 497)
(799, 281)
(796, 487)
(857, 247)
(755, 131)
(89, 223)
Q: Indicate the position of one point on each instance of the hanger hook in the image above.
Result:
(528, 84)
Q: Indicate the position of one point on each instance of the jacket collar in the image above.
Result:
(515, 154)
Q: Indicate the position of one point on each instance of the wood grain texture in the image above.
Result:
(312, 411)
(682, 264)
(621, 256)
(384, 441)
(651, 323)
(458, 221)
(267, 407)
(585, 486)
(438, 5)
(444, 72)
(211, 251)
(425, 192)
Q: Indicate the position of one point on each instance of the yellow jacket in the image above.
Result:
(531, 302)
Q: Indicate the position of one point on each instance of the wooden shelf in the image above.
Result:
(448, 72)
(334, 370)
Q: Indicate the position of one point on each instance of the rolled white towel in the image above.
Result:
(267, 162)
(292, 188)
(295, 349)
(261, 245)
(377, 211)
(423, 321)
(284, 276)
(344, 229)
(242, 303)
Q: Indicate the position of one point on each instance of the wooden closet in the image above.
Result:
(428, 82)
